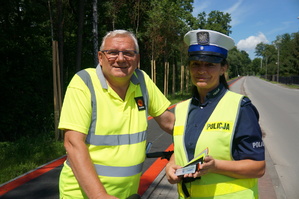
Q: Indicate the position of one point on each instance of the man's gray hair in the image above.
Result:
(120, 32)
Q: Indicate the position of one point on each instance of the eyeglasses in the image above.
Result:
(113, 54)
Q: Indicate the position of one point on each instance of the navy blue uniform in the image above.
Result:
(247, 142)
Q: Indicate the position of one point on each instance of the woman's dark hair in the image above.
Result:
(222, 79)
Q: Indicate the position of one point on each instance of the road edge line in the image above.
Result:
(149, 176)
(30, 175)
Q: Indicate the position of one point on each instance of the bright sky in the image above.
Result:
(255, 21)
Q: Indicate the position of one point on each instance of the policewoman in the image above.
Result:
(104, 118)
(218, 119)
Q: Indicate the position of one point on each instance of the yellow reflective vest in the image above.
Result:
(115, 128)
(217, 135)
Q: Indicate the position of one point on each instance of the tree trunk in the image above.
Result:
(60, 38)
(95, 32)
(182, 79)
(153, 65)
(80, 34)
(51, 20)
(152, 69)
(155, 71)
(137, 17)
(166, 74)
(56, 80)
(173, 79)
(56, 90)
(187, 81)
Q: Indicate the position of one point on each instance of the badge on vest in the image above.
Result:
(140, 103)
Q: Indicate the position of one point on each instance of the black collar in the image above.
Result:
(212, 94)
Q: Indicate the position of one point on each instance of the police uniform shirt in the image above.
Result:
(247, 142)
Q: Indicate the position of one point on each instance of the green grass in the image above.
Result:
(27, 154)
(178, 97)
(293, 86)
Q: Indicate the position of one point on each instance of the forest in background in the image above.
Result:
(28, 29)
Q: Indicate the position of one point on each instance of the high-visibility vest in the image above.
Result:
(118, 158)
(217, 135)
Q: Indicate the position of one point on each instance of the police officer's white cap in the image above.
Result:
(208, 45)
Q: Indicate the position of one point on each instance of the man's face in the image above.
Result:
(122, 67)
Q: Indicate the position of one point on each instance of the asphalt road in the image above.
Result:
(279, 118)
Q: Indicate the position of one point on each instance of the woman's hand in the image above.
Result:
(170, 170)
(207, 166)
(233, 168)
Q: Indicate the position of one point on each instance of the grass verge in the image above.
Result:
(27, 154)
(178, 97)
(292, 86)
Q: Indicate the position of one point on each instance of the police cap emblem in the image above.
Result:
(203, 38)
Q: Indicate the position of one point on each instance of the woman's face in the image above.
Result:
(205, 76)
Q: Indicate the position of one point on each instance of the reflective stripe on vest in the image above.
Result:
(112, 171)
(114, 140)
(181, 114)
(217, 135)
(238, 185)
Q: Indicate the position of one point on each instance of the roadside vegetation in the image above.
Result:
(26, 154)
(292, 86)
(179, 97)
